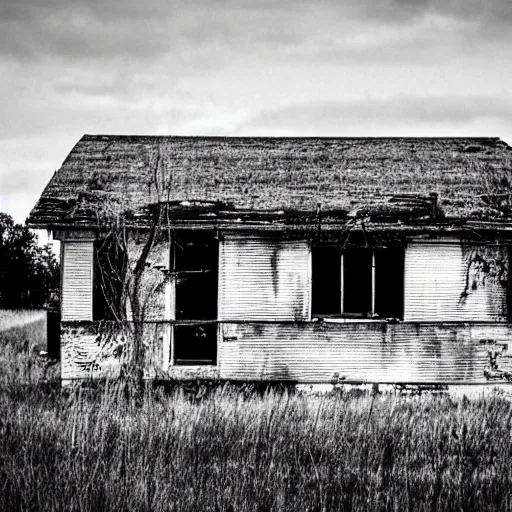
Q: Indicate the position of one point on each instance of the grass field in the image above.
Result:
(22, 337)
(20, 318)
(236, 450)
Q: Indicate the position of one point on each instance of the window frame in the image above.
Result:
(171, 312)
(343, 316)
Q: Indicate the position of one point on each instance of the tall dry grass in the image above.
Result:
(22, 337)
(232, 449)
(10, 318)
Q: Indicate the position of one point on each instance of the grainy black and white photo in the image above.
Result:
(255, 255)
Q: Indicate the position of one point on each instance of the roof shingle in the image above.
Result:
(261, 174)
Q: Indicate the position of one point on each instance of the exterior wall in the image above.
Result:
(307, 352)
(154, 287)
(77, 275)
(264, 279)
(265, 330)
(435, 279)
(95, 349)
(374, 352)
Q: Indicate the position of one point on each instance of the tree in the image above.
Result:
(29, 274)
(127, 284)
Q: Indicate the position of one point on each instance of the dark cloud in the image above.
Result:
(489, 12)
(236, 67)
(104, 29)
(70, 34)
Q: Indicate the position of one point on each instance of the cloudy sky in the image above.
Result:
(243, 67)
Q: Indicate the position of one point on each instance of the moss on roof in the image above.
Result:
(260, 174)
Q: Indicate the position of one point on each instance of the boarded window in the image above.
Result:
(358, 282)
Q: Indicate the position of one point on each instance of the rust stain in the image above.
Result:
(274, 268)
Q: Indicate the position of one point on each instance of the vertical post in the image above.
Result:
(341, 283)
(170, 305)
(373, 284)
(168, 283)
(310, 281)
(220, 278)
(61, 277)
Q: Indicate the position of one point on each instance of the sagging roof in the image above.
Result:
(258, 175)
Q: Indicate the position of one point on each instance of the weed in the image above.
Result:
(233, 450)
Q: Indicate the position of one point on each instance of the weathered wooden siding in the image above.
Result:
(155, 292)
(263, 279)
(435, 279)
(77, 275)
(264, 308)
(373, 352)
(95, 349)
(305, 352)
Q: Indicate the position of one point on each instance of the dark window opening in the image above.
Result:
(195, 266)
(195, 344)
(509, 284)
(194, 262)
(196, 296)
(53, 334)
(389, 283)
(358, 283)
(192, 252)
(326, 281)
(110, 265)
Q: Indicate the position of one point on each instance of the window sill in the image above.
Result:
(193, 372)
(348, 320)
(194, 365)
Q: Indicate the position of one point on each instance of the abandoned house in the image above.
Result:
(311, 260)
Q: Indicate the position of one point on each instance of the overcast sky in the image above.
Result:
(247, 67)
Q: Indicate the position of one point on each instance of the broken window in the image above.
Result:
(195, 344)
(357, 282)
(389, 282)
(194, 264)
(508, 283)
(326, 281)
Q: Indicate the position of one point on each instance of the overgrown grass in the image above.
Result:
(230, 449)
(20, 318)
(22, 337)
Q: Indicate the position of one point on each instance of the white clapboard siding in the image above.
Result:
(435, 277)
(77, 275)
(363, 352)
(261, 279)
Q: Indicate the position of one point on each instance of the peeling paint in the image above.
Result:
(264, 279)
(370, 352)
(310, 352)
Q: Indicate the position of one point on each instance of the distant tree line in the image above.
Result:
(29, 274)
